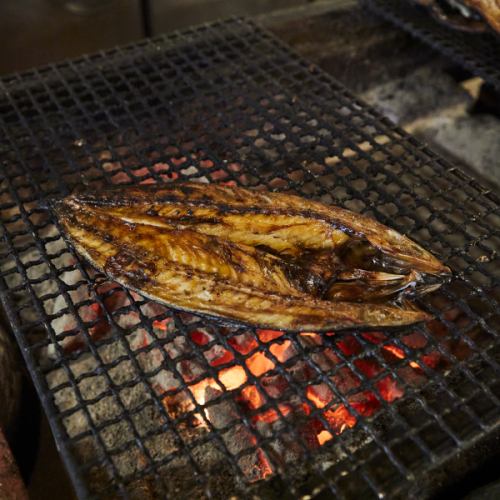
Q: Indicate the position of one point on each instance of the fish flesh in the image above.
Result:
(261, 258)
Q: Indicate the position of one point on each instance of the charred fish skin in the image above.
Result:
(202, 274)
(287, 223)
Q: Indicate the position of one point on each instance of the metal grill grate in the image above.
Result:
(119, 376)
(478, 53)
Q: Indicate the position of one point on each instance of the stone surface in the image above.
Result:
(471, 139)
(426, 91)
(430, 104)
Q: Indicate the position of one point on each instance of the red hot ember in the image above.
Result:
(258, 356)
(259, 370)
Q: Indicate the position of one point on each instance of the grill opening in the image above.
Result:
(145, 401)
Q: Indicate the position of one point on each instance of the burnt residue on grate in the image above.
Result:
(147, 402)
(476, 52)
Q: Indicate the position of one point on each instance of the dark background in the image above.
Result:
(37, 32)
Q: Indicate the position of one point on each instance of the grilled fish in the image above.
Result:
(466, 15)
(489, 9)
(248, 256)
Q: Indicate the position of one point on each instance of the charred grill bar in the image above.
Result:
(144, 401)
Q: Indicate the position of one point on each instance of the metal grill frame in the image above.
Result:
(476, 52)
(44, 111)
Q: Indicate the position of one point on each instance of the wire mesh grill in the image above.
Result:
(476, 52)
(146, 402)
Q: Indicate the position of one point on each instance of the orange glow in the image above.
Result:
(200, 338)
(314, 337)
(399, 353)
(162, 324)
(149, 180)
(206, 163)
(265, 466)
(335, 417)
(340, 418)
(271, 415)
(389, 389)
(253, 397)
(349, 345)
(96, 308)
(145, 339)
(232, 377)
(243, 344)
(323, 437)
(313, 394)
(366, 404)
(161, 167)
(223, 359)
(374, 337)
(180, 160)
(283, 352)
(431, 359)
(198, 389)
(268, 335)
(268, 416)
(259, 364)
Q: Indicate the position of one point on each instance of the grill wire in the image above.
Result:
(229, 102)
(476, 52)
